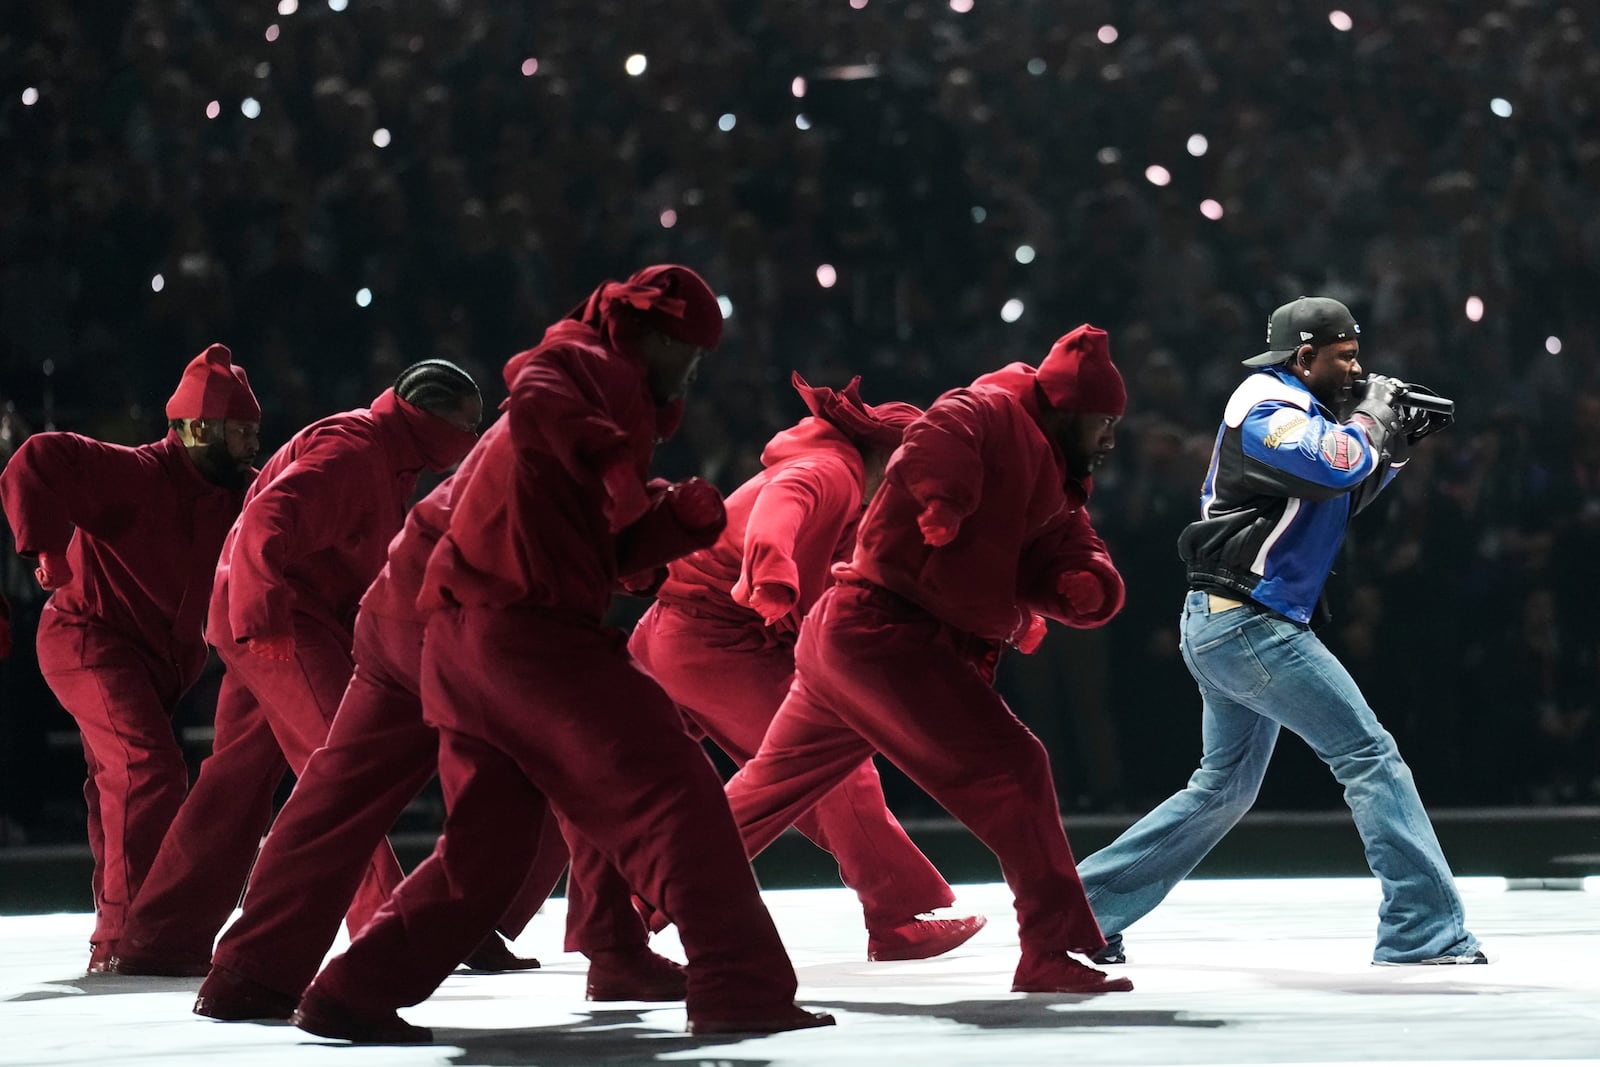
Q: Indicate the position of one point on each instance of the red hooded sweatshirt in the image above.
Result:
(316, 526)
(980, 449)
(787, 525)
(528, 527)
(149, 528)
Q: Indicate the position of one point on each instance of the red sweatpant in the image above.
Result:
(137, 776)
(379, 753)
(729, 681)
(271, 716)
(875, 672)
(533, 705)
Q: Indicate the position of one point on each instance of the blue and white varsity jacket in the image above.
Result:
(1285, 478)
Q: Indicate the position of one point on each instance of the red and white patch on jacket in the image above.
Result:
(1340, 451)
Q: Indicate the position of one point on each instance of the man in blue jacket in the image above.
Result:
(1287, 473)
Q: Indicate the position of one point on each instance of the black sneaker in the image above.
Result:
(1111, 954)
(1475, 956)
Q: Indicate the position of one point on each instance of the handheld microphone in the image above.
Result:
(1419, 399)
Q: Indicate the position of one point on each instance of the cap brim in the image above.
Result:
(1267, 359)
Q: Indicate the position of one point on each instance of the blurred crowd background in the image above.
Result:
(912, 190)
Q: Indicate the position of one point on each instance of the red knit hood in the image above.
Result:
(666, 297)
(214, 387)
(1078, 375)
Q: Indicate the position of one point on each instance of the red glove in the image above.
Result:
(1082, 590)
(773, 602)
(938, 523)
(1029, 636)
(53, 571)
(273, 648)
(5, 638)
(626, 500)
(696, 505)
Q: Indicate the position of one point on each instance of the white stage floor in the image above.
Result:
(1226, 972)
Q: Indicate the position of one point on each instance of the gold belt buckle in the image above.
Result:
(1219, 604)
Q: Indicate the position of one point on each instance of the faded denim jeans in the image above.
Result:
(1257, 672)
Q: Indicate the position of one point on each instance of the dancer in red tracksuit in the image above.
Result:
(720, 639)
(128, 538)
(314, 532)
(379, 753)
(534, 697)
(978, 530)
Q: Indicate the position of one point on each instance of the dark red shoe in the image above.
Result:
(794, 1018)
(327, 1018)
(100, 953)
(494, 956)
(1057, 972)
(922, 939)
(142, 962)
(639, 974)
(233, 998)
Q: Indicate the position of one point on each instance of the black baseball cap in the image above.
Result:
(1310, 320)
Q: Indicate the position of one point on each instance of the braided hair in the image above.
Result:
(434, 385)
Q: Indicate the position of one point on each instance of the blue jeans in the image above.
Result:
(1257, 672)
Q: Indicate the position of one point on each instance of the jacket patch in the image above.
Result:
(1285, 427)
(1337, 450)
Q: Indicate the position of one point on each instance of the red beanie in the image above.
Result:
(213, 388)
(882, 426)
(1078, 374)
(669, 298)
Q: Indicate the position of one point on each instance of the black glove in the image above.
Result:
(1423, 412)
(1429, 422)
(1412, 421)
(1378, 414)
